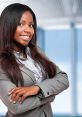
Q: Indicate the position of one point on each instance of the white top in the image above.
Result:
(31, 65)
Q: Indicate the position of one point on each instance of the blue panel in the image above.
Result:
(79, 88)
(57, 44)
(41, 38)
(79, 36)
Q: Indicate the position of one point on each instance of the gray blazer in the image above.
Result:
(38, 106)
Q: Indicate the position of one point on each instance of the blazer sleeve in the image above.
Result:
(30, 103)
(54, 85)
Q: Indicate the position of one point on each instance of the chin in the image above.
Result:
(24, 44)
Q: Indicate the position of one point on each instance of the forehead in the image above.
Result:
(27, 16)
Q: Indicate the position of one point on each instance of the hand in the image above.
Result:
(23, 92)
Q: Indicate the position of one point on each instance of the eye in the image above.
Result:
(21, 24)
(31, 25)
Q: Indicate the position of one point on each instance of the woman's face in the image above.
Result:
(25, 30)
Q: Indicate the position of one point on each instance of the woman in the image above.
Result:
(29, 81)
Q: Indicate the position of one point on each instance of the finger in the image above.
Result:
(23, 98)
(14, 90)
(16, 96)
(12, 97)
(17, 90)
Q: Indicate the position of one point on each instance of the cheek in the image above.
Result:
(17, 33)
(33, 32)
(16, 37)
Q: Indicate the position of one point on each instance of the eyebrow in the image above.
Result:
(31, 22)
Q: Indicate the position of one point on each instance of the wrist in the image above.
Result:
(37, 88)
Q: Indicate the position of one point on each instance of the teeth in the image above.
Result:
(25, 37)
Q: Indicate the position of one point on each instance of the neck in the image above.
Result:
(20, 49)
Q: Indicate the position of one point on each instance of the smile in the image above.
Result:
(25, 37)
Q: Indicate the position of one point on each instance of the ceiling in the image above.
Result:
(52, 11)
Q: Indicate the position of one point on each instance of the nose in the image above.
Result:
(27, 28)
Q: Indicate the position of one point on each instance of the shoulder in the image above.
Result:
(40, 49)
(58, 69)
(1, 71)
(3, 75)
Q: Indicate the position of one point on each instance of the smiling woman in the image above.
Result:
(30, 81)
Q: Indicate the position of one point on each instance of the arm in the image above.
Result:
(55, 85)
(30, 102)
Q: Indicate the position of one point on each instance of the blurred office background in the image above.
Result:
(60, 37)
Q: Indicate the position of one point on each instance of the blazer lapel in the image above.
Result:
(26, 71)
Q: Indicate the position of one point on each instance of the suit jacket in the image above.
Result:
(39, 105)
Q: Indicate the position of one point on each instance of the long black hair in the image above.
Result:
(9, 20)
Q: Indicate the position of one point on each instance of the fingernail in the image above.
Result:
(9, 93)
(10, 100)
(14, 102)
